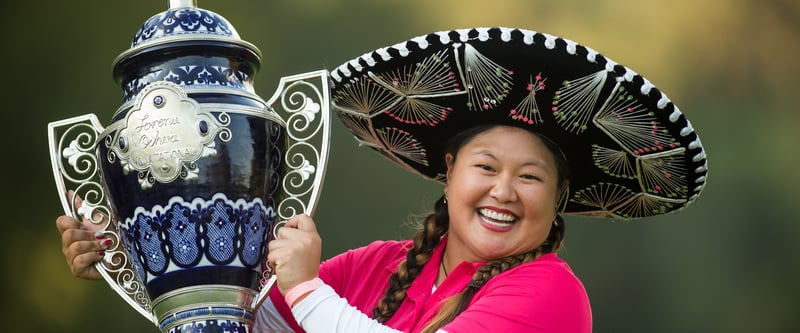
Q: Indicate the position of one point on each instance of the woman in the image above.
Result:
(485, 260)
(464, 107)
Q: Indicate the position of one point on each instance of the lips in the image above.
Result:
(495, 220)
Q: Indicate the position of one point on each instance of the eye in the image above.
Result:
(485, 167)
(530, 177)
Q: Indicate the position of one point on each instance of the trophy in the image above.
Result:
(194, 172)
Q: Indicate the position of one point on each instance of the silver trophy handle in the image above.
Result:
(76, 168)
(303, 100)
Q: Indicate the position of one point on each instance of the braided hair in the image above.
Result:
(425, 241)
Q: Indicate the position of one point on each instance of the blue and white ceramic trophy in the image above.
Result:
(194, 170)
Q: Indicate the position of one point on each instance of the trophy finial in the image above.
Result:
(182, 3)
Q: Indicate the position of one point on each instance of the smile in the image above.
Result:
(495, 219)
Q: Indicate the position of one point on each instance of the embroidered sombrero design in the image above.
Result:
(632, 152)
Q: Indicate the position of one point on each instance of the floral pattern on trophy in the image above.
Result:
(179, 21)
(210, 74)
(196, 234)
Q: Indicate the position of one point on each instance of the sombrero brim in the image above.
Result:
(631, 151)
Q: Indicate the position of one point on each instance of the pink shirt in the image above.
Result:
(540, 296)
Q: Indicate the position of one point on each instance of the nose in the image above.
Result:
(503, 189)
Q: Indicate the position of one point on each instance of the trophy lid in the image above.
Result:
(184, 24)
(181, 31)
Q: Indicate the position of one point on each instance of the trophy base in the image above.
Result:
(215, 325)
(206, 308)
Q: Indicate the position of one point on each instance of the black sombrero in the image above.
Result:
(632, 152)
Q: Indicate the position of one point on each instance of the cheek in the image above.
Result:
(541, 202)
(464, 186)
(540, 235)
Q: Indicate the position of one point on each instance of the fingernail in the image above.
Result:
(102, 253)
(99, 235)
(106, 243)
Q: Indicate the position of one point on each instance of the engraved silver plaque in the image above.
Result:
(165, 133)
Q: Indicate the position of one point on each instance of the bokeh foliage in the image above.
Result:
(729, 263)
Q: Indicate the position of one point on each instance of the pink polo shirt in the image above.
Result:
(541, 296)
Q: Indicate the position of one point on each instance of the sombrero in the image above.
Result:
(632, 153)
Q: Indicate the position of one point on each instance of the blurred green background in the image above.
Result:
(729, 263)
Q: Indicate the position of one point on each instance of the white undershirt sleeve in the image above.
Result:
(323, 311)
(269, 320)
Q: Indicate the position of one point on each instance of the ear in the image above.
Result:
(449, 159)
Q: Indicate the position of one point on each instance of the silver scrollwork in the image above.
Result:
(76, 171)
(304, 100)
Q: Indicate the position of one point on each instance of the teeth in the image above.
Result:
(508, 218)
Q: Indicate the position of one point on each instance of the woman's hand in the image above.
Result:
(295, 254)
(81, 247)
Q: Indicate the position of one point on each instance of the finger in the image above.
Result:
(278, 226)
(271, 255)
(75, 200)
(306, 224)
(273, 246)
(292, 222)
(84, 265)
(80, 256)
(286, 232)
(75, 242)
(298, 219)
(71, 237)
(71, 195)
(65, 222)
(97, 220)
(281, 246)
(302, 222)
(95, 225)
(85, 260)
(294, 235)
(276, 253)
(285, 247)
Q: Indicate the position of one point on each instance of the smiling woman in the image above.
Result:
(500, 116)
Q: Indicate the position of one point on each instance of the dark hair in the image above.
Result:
(464, 137)
(436, 225)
